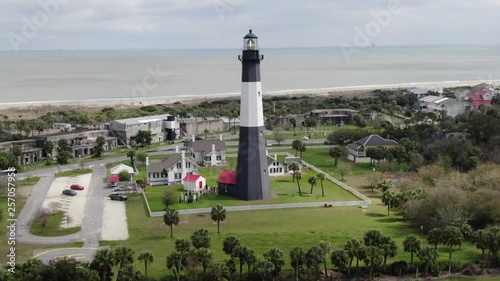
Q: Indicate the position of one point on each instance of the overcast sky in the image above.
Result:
(201, 24)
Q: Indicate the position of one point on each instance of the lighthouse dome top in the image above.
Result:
(250, 35)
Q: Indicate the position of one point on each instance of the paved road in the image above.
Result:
(92, 221)
(84, 255)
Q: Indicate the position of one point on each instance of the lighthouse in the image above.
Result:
(252, 178)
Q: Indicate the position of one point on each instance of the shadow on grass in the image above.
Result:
(375, 215)
(389, 220)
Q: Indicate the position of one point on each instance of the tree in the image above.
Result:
(206, 131)
(373, 258)
(312, 181)
(123, 256)
(434, 237)
(131, 155)
(263, 269)
(99, 146)
(205, 257)
(310, 122)
(293, 121)
(171, 218)
(297, 257)
(451, 236)
(321, 177)
(389, 249)
(340, 259)
(218, 272)
(168, 199)
(141, 157)
(325, 248)
(182, 248)
(218, 214)
(354, 249)
(63, 157)
(230, 243)
(428, 256)
(399, 153)
(188, 144)
(48, 146)
(4, 162)
(374, 179)
(200, 238)
(384, 185)
(336, 152)
(411, 245)
(143, 138)
(296, 145)
(389, 199)
(373, 238)
(297, 175)
(148, 258)
(103, 262)
(243, 254)
(16, 151)
(175, 261)
(302, 148)
(128, 273)
(359, 121)
(344, 168)
(313, 261)
(481, 239)
(124, 176)
(278, 137)
(275, 257)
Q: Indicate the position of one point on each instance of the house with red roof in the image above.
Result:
(227, 183)
(480, 97)
(194, 183)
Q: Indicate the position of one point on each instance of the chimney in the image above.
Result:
(193, 138)
(213, 147)
(147, 161)
(183, 166)
(177, 149)
(276, 157)
(220, 137)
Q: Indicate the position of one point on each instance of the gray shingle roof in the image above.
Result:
(290, 160)
(166, 163)
(270, 160)
(205, 146)
(372, 140)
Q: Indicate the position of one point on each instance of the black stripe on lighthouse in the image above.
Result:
(251, 66)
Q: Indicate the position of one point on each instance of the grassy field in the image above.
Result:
(52, 227)
(28, 181)
(262, 230)
(74, 173)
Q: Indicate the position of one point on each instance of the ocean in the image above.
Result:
(114, 76)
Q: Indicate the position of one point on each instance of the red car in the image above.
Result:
(76, 187)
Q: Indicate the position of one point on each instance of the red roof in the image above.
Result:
(114, 179)
(227, 177)
(192, 178)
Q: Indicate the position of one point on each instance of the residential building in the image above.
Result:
(290, 160)
(170, 170)
(276, 168)
(61, 126)
(162, 128)
(209, 152)
(442, 105)
(82, 143)
(31, 150)
(339, 116)
(122, 167)
(194, 183)
(357, 150)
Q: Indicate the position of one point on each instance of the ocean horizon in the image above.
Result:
(124, 76)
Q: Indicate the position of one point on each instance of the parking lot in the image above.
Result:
(114, 224)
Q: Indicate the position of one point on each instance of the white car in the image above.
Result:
(304, 138)
(122, 188)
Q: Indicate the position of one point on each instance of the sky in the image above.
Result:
(214, 24)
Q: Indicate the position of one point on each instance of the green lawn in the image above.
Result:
(28, 181)
(262, 230)
(52, 227)
(74, 173)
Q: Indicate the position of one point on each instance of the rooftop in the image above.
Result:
(205, 146)
(142, 120)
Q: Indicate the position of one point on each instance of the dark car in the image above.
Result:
(118, 196)
(198, 138)
(69, 192)
(76, 187)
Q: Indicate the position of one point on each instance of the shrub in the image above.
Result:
(124, 176)
(399, 268)
(472, 269)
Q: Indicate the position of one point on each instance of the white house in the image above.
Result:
(209, 152)
(437, 105)
(122, 167)
(276, 168)
(170, 170)
(194, 183)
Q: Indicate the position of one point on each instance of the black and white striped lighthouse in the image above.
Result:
(252, 178)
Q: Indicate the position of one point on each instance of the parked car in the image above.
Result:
(122, 188)
(118, 196)
(69, 192)
(304, 138)
(328, 142)
(76, 187)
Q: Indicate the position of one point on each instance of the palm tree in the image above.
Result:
(389, 249)
(481, 238)
(206, 131)
(218, 272)
(242, 253)
(131, 155)
(296, 146)
(16, 151)
(325, 248)
(263, 269)
(321, 177)
(298, 176)
(294, 168)
(352, 247)
(218, 214)
(182, 248)
(411, 244)
(4, 162)
(336, 152)
(452, 236)
(128, 273)
(340, 258)
(388, 198)
(123, 256)
(434, 237)
(174, 262)
(373, 258)
(205, 257)
(373, 238)
(275, 256)
(103, 262)
(302, 148)
(171, 218)
(187, 144)
(428, 256)
(147, 258)
(230, 243)
(201, 238)
(312, 181)
(48, 146)
(297, 257)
